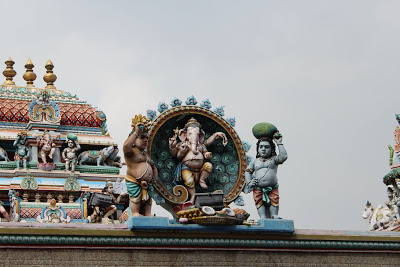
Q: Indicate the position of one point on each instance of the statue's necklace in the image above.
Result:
(264, 160)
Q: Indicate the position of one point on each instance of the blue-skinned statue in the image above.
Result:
(261, 174)
(22, 151)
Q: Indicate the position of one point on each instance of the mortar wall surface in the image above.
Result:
(125, 257)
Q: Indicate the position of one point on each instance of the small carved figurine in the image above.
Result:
(140, 168)
(261, 172)
(46, 145)
(22, 151)
(110, 210)
(69, 153)
(192, 153)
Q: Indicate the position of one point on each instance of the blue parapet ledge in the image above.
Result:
(164, 224)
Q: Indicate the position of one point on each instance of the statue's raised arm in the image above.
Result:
(140, 168)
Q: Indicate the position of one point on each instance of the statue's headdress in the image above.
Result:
(192, 123)
(141, 119)
(108, 184)
(23, 135)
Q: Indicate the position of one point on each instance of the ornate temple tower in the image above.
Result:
(36, 113)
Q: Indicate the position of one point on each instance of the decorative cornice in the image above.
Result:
(116, 241)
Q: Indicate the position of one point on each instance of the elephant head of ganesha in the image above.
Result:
(193, 134)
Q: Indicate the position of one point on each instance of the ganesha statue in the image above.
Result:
(192, 154)
(47, 146)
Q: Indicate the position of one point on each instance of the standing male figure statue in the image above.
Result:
(261, 174)
(140, 168)
(22, 151)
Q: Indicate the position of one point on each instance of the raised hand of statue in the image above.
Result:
(207, 155)
(183, 149)
(253, 183)
(278, 138)
(139, 129)
(214, 137)
(172, 142)
(223, 136)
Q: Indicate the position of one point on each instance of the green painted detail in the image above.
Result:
(7, 165)
(264, 129)
(71, 184)
(391, 177)
(33, 91)
(97, 169)
(42, 205)
(10, 165)
(29, 182)
(391, 154)
(192, 242)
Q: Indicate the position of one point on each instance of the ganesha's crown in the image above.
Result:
(192, 123)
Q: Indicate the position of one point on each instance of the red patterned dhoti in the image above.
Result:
(270, 195)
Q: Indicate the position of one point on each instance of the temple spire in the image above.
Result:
(9, 72)
(29, 76)
(49, 77)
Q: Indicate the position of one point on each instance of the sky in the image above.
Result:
(324, 72)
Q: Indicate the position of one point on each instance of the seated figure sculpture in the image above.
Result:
(140, 168)
(46, 145)
(22, 151)
(110, 210)
(192, 153)
(261, 175)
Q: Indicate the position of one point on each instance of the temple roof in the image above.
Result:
(21, 106)
(16, 110)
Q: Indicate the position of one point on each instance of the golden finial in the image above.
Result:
(9, 72)
(49, 77)
(29, 76)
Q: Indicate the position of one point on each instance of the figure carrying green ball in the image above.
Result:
(261, 174)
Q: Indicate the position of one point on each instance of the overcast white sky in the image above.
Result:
(324, 72)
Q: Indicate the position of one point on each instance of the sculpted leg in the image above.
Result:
(188, 179)
(202, 180)
(205, 172)
(135, 208)
(112, 210)
(73, 166)
(17, 163)
(274, 212)
(147, 209)
(52, 153)
(192, 192)
(67, 165)
(262, 211)
(24, 164)
(43, 157)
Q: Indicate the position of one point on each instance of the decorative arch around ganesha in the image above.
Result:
(229, 162)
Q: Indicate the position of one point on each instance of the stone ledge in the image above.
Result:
(166, 225)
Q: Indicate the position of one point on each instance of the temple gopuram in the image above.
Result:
(45, 117)
(63, 200)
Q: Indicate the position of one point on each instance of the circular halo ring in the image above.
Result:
(180, 110)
